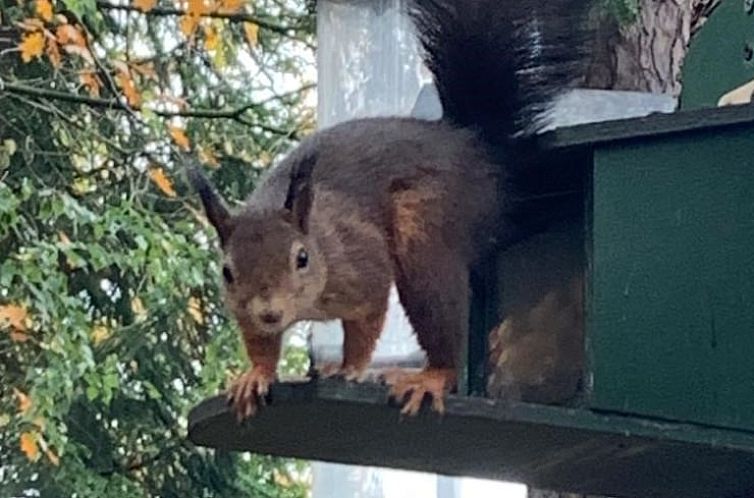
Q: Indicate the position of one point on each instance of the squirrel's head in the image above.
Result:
(273, 269)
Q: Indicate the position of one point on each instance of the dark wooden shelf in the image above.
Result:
(653, 126)
(549, 447)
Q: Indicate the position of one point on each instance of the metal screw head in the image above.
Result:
(748, 6)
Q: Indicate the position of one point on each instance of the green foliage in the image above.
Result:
(625, 11)
(82, 8)
(113, 320)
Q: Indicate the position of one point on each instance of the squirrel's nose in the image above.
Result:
(271, 317)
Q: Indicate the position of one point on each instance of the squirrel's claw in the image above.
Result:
(432, 381)
(330, 369)
(355, 374)
(348, 372)
(248, 392)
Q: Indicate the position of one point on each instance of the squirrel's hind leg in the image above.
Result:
(428, 243)
(433, 285)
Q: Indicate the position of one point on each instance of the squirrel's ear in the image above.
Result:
(214, 206)
(298, 202)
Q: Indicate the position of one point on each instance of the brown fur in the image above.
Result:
(407, 207)
(360, 339)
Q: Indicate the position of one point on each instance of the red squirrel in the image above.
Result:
(372, 202)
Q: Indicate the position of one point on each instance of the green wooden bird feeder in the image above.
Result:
(664, 238)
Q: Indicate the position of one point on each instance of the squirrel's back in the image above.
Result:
(372, 162)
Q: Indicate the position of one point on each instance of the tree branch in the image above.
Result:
(115, 104)
(235, 16)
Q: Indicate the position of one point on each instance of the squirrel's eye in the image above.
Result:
(227, 275)
(302, 259)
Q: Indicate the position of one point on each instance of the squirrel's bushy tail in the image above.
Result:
(498, 64)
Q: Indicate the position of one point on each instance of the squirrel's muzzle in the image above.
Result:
(271, 317)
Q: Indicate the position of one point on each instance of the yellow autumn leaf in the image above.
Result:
(211, 38)
(208, 157)
(53, 52)
(162, 181)
(265, 159)
(43, 8)
(138, 308)
(91, 81)
(230, 6)
(68, 34)
(219, 59)
(99, 334)
(195, 310)
(145, 5)
(13, 315)
(198, 7)
(251, 32)
(10, 146)
(281, 479)
(29, 445)
(188, 25)
(180, 138)
(24, 402)
(32, 45)
(128, 87)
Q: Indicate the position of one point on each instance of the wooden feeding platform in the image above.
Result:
(549, 447)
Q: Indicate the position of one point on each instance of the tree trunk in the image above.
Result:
(646, 56)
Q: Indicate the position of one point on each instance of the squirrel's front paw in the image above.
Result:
(350, 373)
(355, 373)
(329, 369)
(247, 392)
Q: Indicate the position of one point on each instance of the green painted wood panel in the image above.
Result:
(721, 55)
(671, 289)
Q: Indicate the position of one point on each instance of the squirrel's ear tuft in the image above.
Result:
(214, 206)
(298, 202)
